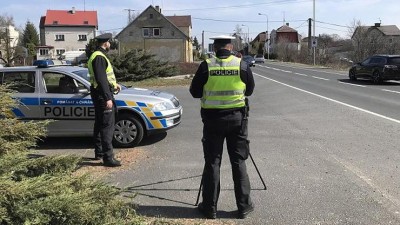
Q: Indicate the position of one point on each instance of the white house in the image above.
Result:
(65, 30)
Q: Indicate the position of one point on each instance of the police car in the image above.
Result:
(61, 93)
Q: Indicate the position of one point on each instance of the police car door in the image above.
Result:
(24, 83)
(66, 101)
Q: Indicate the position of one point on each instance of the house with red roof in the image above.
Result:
(65, 30)
(285, 36)
(167, 37)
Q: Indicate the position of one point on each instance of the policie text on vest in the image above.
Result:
(224, 72)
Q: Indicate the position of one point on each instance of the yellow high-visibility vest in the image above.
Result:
(224, 88)
(109, 71)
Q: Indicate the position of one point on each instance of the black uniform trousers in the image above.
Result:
(104, 126)
(215, 131)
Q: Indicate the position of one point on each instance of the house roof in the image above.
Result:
(286, 28)
(389, 30)
(261, 37)
(69, 18)
(180, 21)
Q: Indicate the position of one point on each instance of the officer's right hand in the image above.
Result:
(109, 104)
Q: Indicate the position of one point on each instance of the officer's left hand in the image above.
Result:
(118, 89)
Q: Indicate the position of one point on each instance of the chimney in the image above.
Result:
(377, 24)
(287, 24)
(158, 9)
(73, 10)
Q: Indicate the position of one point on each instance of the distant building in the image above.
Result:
(285, 35)
(65, 30)
(167, 37)
(378, 39)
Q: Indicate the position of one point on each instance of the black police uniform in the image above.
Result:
(221, 124)
(104, 124)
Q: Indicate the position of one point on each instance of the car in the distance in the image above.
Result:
(259, 59)
(62, 94)
(377, 68)
(249, 60)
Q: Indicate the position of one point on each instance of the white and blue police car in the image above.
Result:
(62, 94)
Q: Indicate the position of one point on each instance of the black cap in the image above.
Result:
(103, 37)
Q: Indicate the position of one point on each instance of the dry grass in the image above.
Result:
(95, 169)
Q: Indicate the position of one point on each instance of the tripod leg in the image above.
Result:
(262, 180)
(198, 194)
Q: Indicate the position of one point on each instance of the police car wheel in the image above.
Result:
(128, 131)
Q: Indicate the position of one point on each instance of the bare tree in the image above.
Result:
(286, 50)
(237, 43)
(370, 40)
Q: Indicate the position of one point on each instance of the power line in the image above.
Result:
(242, 6)
(243, 21)
(332, 24)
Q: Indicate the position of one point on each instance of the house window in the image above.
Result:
(55, 22)
(60, 51)
(156, 32)
(151, 15)
(59, 37)
(146, 32)
(85, 22)
(82, 37)
(43, 51)
(81, 49)
(130, 33)
(150, 32)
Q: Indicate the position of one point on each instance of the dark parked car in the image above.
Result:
(249, 59)
(377, 68)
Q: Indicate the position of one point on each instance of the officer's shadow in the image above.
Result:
(178, 212)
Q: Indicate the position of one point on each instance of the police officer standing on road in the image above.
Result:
(222, 83)
(103, 87)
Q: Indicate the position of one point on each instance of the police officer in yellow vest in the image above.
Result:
(222, 82)
(103, 87)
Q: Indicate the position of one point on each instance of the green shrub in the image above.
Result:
(139, 65)
(45, 190)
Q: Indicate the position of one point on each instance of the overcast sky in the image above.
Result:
(222, 17)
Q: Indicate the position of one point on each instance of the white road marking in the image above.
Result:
(301, 74)
(319, 78)
(332, 100)
(352, 84)
(307, 68)
(398, 92)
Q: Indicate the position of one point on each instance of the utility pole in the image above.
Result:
(309, 38)
(129, 15)
(202, 42)
(314, 47)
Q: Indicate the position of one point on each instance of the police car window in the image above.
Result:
(60, 83)
(82, 73)
(22, 82)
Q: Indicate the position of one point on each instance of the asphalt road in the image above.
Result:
(327, 148)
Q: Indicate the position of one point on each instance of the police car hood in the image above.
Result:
(146, 93)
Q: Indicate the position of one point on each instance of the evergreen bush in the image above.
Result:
(45, 190)
(139, 65)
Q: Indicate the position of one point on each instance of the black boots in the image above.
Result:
(208, 213)
(111, 162)
(98, 156)
(242, 214)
